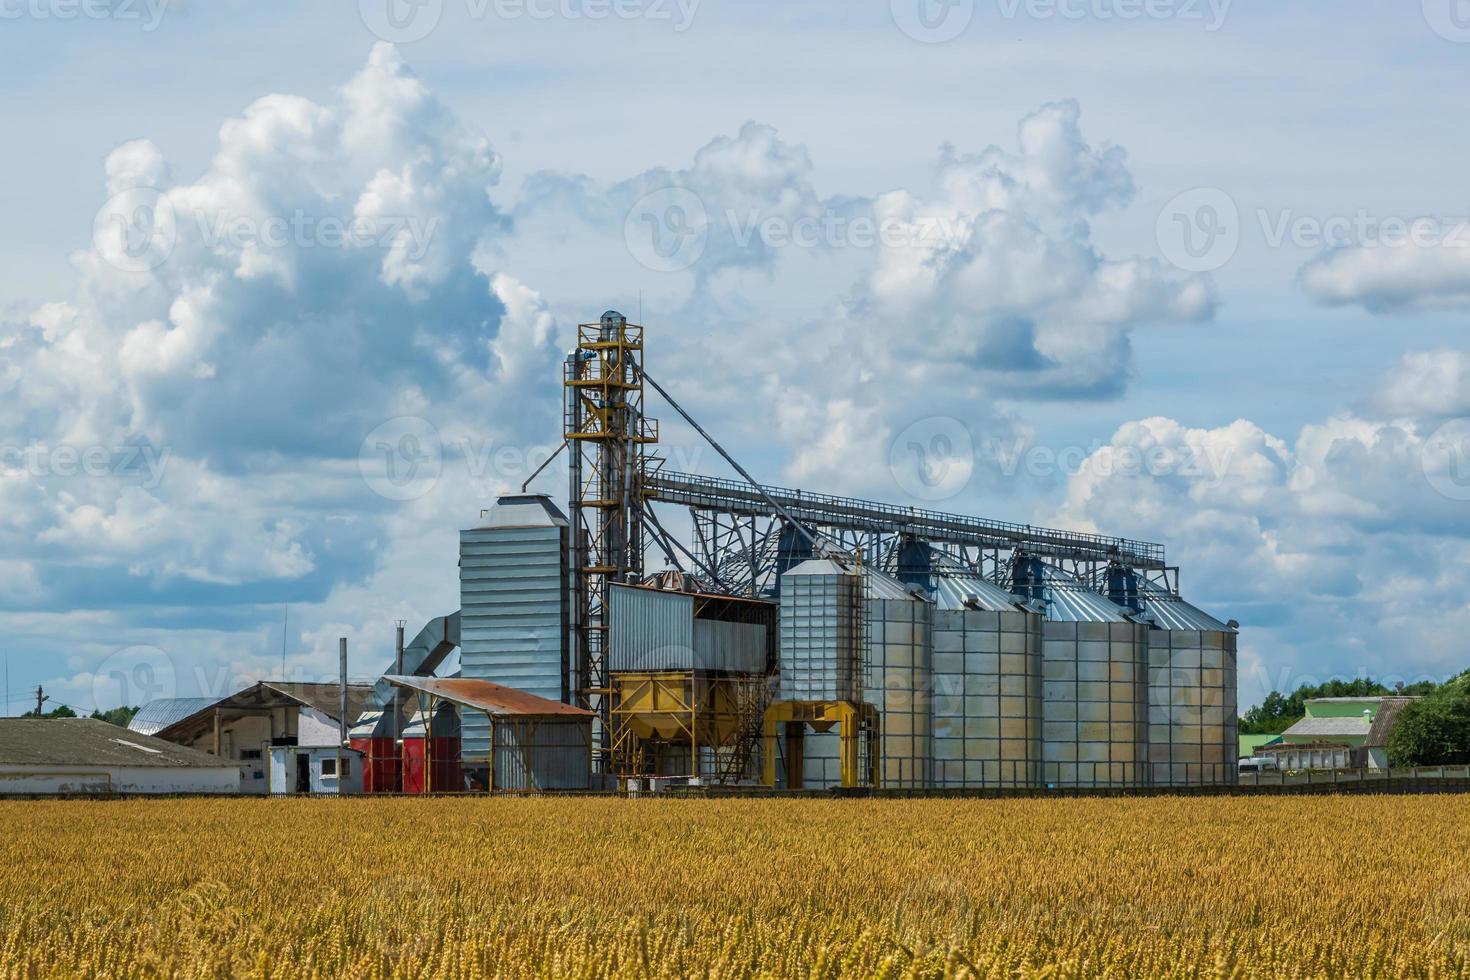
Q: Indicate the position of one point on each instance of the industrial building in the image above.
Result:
(94, 757)
(283, 736)
(1338, 733)
(793, 638)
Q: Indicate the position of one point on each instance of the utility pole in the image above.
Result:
(398, 709)
(41, 698)
(342, 716)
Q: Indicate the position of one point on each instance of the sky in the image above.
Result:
(284, 289)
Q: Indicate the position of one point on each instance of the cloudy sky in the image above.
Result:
(284, 288)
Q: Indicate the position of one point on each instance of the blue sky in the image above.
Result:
(1211, 255)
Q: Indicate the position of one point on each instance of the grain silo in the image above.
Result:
(898, 679)
(1192, 719)
(987, 679)
(1094, 689)
(513, 620)
(821, 655)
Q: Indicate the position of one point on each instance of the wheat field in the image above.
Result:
(1302, 887)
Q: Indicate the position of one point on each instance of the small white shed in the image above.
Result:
(90, 756)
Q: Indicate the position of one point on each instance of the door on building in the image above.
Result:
(303, 773)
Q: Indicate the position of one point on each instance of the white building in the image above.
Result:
(89, 756)
(284, 736)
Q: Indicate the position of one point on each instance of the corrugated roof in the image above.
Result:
(1170, 612)
(818, 566)
(1327, 727)
(1069, 601)
(522, 510)
(158, 714)
(93, 742)
(497, 699)
(1387, 717)
(881, 585)
(964, 592)
(326, 698)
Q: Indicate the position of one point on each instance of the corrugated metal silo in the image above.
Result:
(1192, 722)
(512, 574)
(1094, 683)
(821, 649)
(987, 686)
(899, 679)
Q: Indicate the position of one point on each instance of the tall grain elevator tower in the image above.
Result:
(606, 432)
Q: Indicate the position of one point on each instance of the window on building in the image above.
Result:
(329, 767)
(249, 754)
(347, 768)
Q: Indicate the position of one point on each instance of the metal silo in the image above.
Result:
(898, 679)
(987, 679)
(1094, 682)
(1192, 719)
(513, 620)
(820, 655)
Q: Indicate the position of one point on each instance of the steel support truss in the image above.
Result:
(743, 543)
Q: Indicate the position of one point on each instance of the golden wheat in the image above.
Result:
(1334, 886)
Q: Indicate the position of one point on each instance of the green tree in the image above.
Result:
(1434, 731)
(1278, 711)
(119, 716)
(60, 711)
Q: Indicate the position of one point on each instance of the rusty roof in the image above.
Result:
(487, 696)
